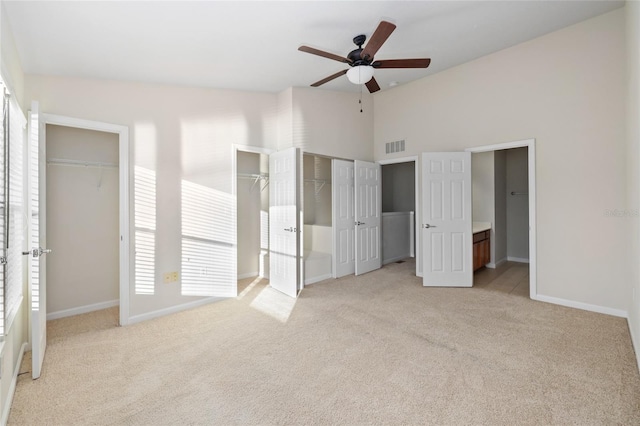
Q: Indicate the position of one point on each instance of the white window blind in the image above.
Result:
(16, 228)
(208, 235)
(145, 230)
(3, 239)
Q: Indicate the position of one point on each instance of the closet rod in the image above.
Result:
(322, 183)
(255, 178)
(81, 163)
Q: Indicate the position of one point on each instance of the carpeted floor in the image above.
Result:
(374, 349)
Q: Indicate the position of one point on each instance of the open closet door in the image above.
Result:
(446, 219)
(344, 238)
(284, 227)
(368, 216)
(37, 205)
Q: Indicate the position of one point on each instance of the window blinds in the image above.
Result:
(145, 230)
(16, 213)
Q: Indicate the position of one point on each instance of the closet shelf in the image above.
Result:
(255, 177)
(81, 163)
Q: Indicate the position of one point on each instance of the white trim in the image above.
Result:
(517, 259)
(580, 305)
(248, 275)
(6, 407)
(492, 265)
(317, 279)
(417, 218)
(174, 309)
(82, 309)
(634, 343)
(533, 233)
(124, 185)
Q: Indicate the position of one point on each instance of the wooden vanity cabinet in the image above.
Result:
(481, 249)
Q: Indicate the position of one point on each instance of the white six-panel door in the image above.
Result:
(368, 200)
(284, 229)
(446, 219)
(37, 205)
(343, 197)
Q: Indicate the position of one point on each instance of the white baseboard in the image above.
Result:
(174, 309)
(492, 265)
(6, 407)
(82, 309)
(584, 306)
(248, 275)
(517, 259)
(634, 342)
(317, 279)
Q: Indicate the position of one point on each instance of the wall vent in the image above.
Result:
(397, 146)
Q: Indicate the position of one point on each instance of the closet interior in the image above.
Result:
(253, 214)
(317, 218)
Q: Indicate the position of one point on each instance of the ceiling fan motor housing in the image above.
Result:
(354, 55)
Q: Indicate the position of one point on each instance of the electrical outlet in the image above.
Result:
(170, 277)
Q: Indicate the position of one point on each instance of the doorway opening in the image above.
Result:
(252, 197)
(121, 159)
(504, 234)
(317, 214)
(82, 194)
(399, 211)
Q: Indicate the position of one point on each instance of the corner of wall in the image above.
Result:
(632, 28)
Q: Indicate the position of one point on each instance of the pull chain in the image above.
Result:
(360, 100)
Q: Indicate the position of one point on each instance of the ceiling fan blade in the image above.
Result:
(372, 85)
(324, 54)
(402, 63)
(380, 35)
(331, 77)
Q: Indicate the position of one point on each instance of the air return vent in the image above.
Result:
(397, 146)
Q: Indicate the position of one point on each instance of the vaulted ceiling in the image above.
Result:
(253, 45)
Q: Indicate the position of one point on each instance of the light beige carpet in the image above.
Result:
(374, 349)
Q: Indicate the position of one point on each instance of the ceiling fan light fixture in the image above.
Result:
(360, 74)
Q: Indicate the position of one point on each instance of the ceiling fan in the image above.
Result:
(362, 62)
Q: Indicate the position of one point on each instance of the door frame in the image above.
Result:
(417, 212)
(530, 144)
(123, 195)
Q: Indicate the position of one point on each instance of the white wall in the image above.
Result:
(484, 192)
(482, 181)
(317, 198)
(517, 205)
(330, 123)
(398, 187)
(632, 10)
(82, 219)
(499, 231)
(184, 134)
(550, 90)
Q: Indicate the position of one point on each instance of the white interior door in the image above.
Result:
(343, 211)
(368, 200)
(446, 219)
(37, 237)
(284, 227)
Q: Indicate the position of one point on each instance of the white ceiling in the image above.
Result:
(253, 45)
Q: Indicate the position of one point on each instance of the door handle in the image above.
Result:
(291, 229)
(359, 223)
(427, 226)
(36, 252)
